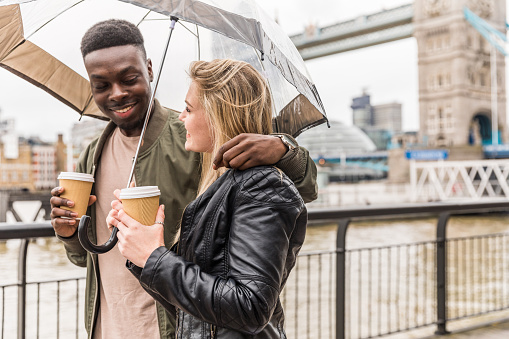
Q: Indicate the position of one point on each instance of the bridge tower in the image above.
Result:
(454, 72)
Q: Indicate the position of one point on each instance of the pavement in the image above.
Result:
(494, 330)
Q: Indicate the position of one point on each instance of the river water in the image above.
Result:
(47, 261)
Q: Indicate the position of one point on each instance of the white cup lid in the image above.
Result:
(76, 176)
(139, 192)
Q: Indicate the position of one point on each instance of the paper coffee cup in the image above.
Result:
(141, 203)
(77, 188)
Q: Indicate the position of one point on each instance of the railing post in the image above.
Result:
(22, 287)
(4, 203)
(340, 277)
(413, 180)
(442, 274)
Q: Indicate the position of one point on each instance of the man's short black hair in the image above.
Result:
(111, 33)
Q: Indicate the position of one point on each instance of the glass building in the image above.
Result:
(342, 153)
(336, 141)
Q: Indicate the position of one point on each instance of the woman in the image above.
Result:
(240, 237)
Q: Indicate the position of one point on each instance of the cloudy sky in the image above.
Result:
(387, 72)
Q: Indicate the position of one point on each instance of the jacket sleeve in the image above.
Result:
(301, 169)
(75, 252)
(258, 252)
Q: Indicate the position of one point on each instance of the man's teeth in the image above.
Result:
(123, 110)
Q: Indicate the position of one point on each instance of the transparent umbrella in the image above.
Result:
(40, 39)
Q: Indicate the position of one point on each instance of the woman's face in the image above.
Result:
(198, 137)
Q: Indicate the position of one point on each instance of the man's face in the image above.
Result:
(120, 80)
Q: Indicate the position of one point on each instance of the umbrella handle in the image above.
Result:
(87, 244)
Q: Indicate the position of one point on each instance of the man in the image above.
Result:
(116, 306)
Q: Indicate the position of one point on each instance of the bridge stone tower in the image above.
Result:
(454, 72)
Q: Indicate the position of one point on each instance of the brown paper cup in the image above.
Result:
(77, 188)
(141, 203)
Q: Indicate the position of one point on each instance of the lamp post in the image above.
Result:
(494, 96)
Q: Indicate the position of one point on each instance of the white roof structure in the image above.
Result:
(335, 141)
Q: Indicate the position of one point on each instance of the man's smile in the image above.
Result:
(124, 110)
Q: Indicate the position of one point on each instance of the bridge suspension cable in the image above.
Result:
(498, 41)
(496, 38)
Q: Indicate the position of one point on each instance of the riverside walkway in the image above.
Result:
(495, 330)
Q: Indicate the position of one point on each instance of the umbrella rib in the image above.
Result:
(181, 24)
(82, 113)
(50, 20)
(139, 23)
(157, 19)
(199, 41)
(268, 83)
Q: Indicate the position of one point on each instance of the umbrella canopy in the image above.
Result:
(39, 41)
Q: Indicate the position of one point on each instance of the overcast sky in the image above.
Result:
(387, 72)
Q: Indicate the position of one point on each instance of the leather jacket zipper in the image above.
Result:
(212, 331)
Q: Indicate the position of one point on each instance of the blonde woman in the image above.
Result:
(240, 237)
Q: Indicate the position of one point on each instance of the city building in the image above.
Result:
(82, 134)
(382, 138)
(15, 159)
(8, 137)
(35, 166)
(28, 164)
(405, 140)
(44, 166)
(342, 153)
(387, 117)
(32, 164)
(384, 116)
(16, 171)
(336, 141)
(61, 154)
(379, 122)
(362, 111)
(6, 125)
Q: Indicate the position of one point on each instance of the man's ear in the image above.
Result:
(150, 72)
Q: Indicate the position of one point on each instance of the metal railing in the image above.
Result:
(344, 293)
(31, 295)
(454, 180)
(377, 291)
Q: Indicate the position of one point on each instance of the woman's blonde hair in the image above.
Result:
(236, 99)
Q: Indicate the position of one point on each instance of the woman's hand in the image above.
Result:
(136, 242)
(116, 205)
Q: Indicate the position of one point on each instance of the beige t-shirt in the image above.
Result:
(126, 310)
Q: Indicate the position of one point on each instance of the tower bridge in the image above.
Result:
(364, 31)
(454, 63)
(462, 86)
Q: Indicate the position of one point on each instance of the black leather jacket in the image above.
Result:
(239, 242)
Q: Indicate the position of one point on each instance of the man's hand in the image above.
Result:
(248, 150)
(64, 227)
